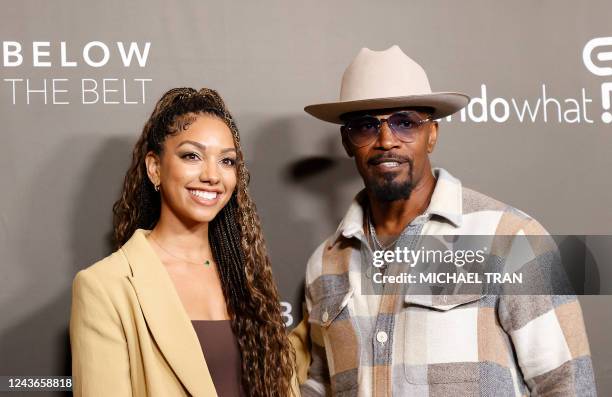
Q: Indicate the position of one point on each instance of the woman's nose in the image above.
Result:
(210, 173)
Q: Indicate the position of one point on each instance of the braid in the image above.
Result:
(224, 237)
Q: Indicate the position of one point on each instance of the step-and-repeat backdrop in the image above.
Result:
(79, 79)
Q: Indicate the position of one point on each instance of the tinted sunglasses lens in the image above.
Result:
(362, 130)
(405, 124)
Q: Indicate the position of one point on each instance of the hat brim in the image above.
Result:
(443, 103)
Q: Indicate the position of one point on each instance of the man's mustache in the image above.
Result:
(384, 157)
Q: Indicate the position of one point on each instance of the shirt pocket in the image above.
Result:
(331, 320)
(440, 340)
(330, 307)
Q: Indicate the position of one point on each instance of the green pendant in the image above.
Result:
(207, 263)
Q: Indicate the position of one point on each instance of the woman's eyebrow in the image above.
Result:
(203, 147)
(194, 143)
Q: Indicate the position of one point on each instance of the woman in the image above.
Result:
(187, 304)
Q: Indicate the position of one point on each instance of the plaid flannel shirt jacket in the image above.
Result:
(391, 345)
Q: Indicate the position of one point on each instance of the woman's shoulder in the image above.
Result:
(108, 271)
(99, 292)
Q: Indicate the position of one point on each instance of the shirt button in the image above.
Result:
(325, 316)
(381, 336)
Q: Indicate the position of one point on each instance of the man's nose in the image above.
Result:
(386, 138)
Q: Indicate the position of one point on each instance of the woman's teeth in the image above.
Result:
(204, 194)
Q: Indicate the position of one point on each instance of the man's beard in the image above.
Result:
(386, 189)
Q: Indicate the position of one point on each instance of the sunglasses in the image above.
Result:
(363, 130)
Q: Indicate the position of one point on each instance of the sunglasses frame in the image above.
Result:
(380, 122)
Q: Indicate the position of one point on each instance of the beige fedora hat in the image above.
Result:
(386, 79)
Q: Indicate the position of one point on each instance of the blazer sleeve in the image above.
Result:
(300, 340)
(100, 361)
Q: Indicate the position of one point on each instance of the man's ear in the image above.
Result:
(153, 168)
(345, 142)
(433, 137)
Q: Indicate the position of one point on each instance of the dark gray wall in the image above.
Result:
(61, 165)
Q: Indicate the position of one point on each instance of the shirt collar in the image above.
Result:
(447, 198)
(446, 201)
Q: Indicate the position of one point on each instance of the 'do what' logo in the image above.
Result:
(24, 63)
(546, 108)
(600, 48)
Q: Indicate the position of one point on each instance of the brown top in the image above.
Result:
(222, 355)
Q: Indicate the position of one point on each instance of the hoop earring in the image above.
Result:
(157, 188)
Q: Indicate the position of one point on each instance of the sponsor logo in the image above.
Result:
(600, 48)
(544, 107)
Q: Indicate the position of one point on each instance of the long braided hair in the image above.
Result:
(235, 237)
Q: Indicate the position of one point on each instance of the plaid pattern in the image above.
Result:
(395, 345)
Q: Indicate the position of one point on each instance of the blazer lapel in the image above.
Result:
(166, 316)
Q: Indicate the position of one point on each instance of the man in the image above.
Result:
(401, 345)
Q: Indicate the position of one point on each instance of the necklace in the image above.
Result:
(377, 244)
(206, 262)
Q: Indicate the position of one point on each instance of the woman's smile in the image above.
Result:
(205, 197)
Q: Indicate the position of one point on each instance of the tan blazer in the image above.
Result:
(129, 332)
